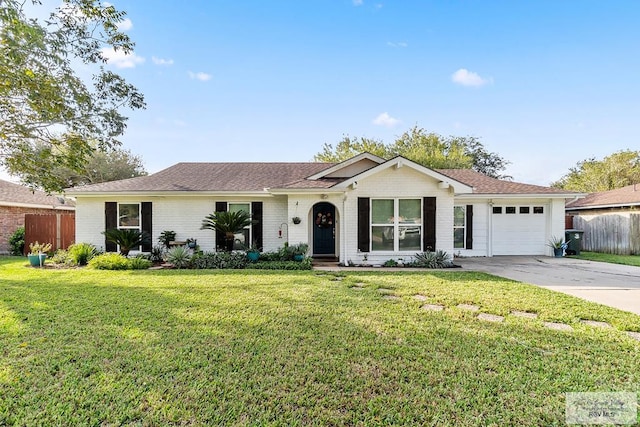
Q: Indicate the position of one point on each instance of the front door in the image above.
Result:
(324, 229)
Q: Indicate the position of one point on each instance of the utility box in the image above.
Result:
(574, 237)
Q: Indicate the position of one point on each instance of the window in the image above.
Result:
(396, 225)
(497, 209)
(459, 229)
(510, 210)
(241, 240)
(129, 218)
(524, 209)
(538, 209)
(129, 215)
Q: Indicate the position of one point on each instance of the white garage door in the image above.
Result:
(519, 229)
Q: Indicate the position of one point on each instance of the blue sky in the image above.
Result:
(542, 83)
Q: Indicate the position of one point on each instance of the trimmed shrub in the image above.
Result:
(139, 263)
(62, 257)
(110, 261)
(218, 260)
(16, 242)
(305, 264)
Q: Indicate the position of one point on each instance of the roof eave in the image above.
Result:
(147, 193)
(606, 206)
(522, 195)
(38, 206)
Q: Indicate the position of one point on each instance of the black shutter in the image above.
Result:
(363, 224)
(256, 223)
(147, 226)
(220, 238)
(429, 224)
(110, 222)
(469, 225)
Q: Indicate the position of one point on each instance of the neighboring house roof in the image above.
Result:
(284, 177)
(483, 184)
(18, 195)
(621, 197)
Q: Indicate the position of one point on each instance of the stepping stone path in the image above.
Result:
(490, 317)
(359, 285)
(391, 297)
(469, 307)
(558, 326)
(596, 323)
(420, 297)
(385, 290)
(634, 335)
(525, 314)
(432, 307)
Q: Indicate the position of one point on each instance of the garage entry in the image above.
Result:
(519, 229)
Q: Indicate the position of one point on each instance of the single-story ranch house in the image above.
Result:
(365, 209)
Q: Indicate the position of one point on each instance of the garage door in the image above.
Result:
(519, 229)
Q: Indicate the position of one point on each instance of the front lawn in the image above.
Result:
(204, 347)
(633, 260)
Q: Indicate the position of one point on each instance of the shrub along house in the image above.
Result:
(365, 209)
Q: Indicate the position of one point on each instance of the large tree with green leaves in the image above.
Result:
(50, 116)
(102, 166)
(617, 170)
(426, 148)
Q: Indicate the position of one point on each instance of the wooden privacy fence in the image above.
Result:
(57, 229)
(611, 234)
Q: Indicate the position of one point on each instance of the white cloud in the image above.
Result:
(399, 44)
(203, 77)
(125, 25)
(465, 77)
(120, 59)
(161, 61)
(384, 119)
(358, 2)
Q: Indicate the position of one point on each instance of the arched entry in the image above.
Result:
(324, 229)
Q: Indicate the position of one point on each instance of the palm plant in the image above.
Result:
(227, 223)
(126, 238)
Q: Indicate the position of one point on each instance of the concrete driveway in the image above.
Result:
(609, 284)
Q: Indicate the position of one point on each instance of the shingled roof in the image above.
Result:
(621, 197)
(212, 177)
(483, 184)
(18, 195)
(252, 177)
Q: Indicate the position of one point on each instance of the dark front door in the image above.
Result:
(324, 229)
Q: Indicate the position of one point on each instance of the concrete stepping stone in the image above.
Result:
(558, 326)
(391, 297)
(490, 317)
(420, 297)
(357, 288)
(432, 307)
(385, 290)
(634, 335)
(595, 323)
(524, 314)
(470, 307)
(360, 285)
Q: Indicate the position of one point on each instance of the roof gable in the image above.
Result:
(350, 167)
(399, 162)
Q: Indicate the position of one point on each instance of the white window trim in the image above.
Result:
(396, 225)
(129, 227)
(463, 226)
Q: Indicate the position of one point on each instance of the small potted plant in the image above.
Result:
(166, 237)
(38, 253)
(558, 245)
(298, 251)
(296, 220)
(253, 253)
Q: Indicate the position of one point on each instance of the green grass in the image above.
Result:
(88, 347)
(613, 259)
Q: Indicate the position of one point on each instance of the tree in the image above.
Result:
(426, 148)
(102, 166)
(227, 223)
(617, 170)
(49, 117)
